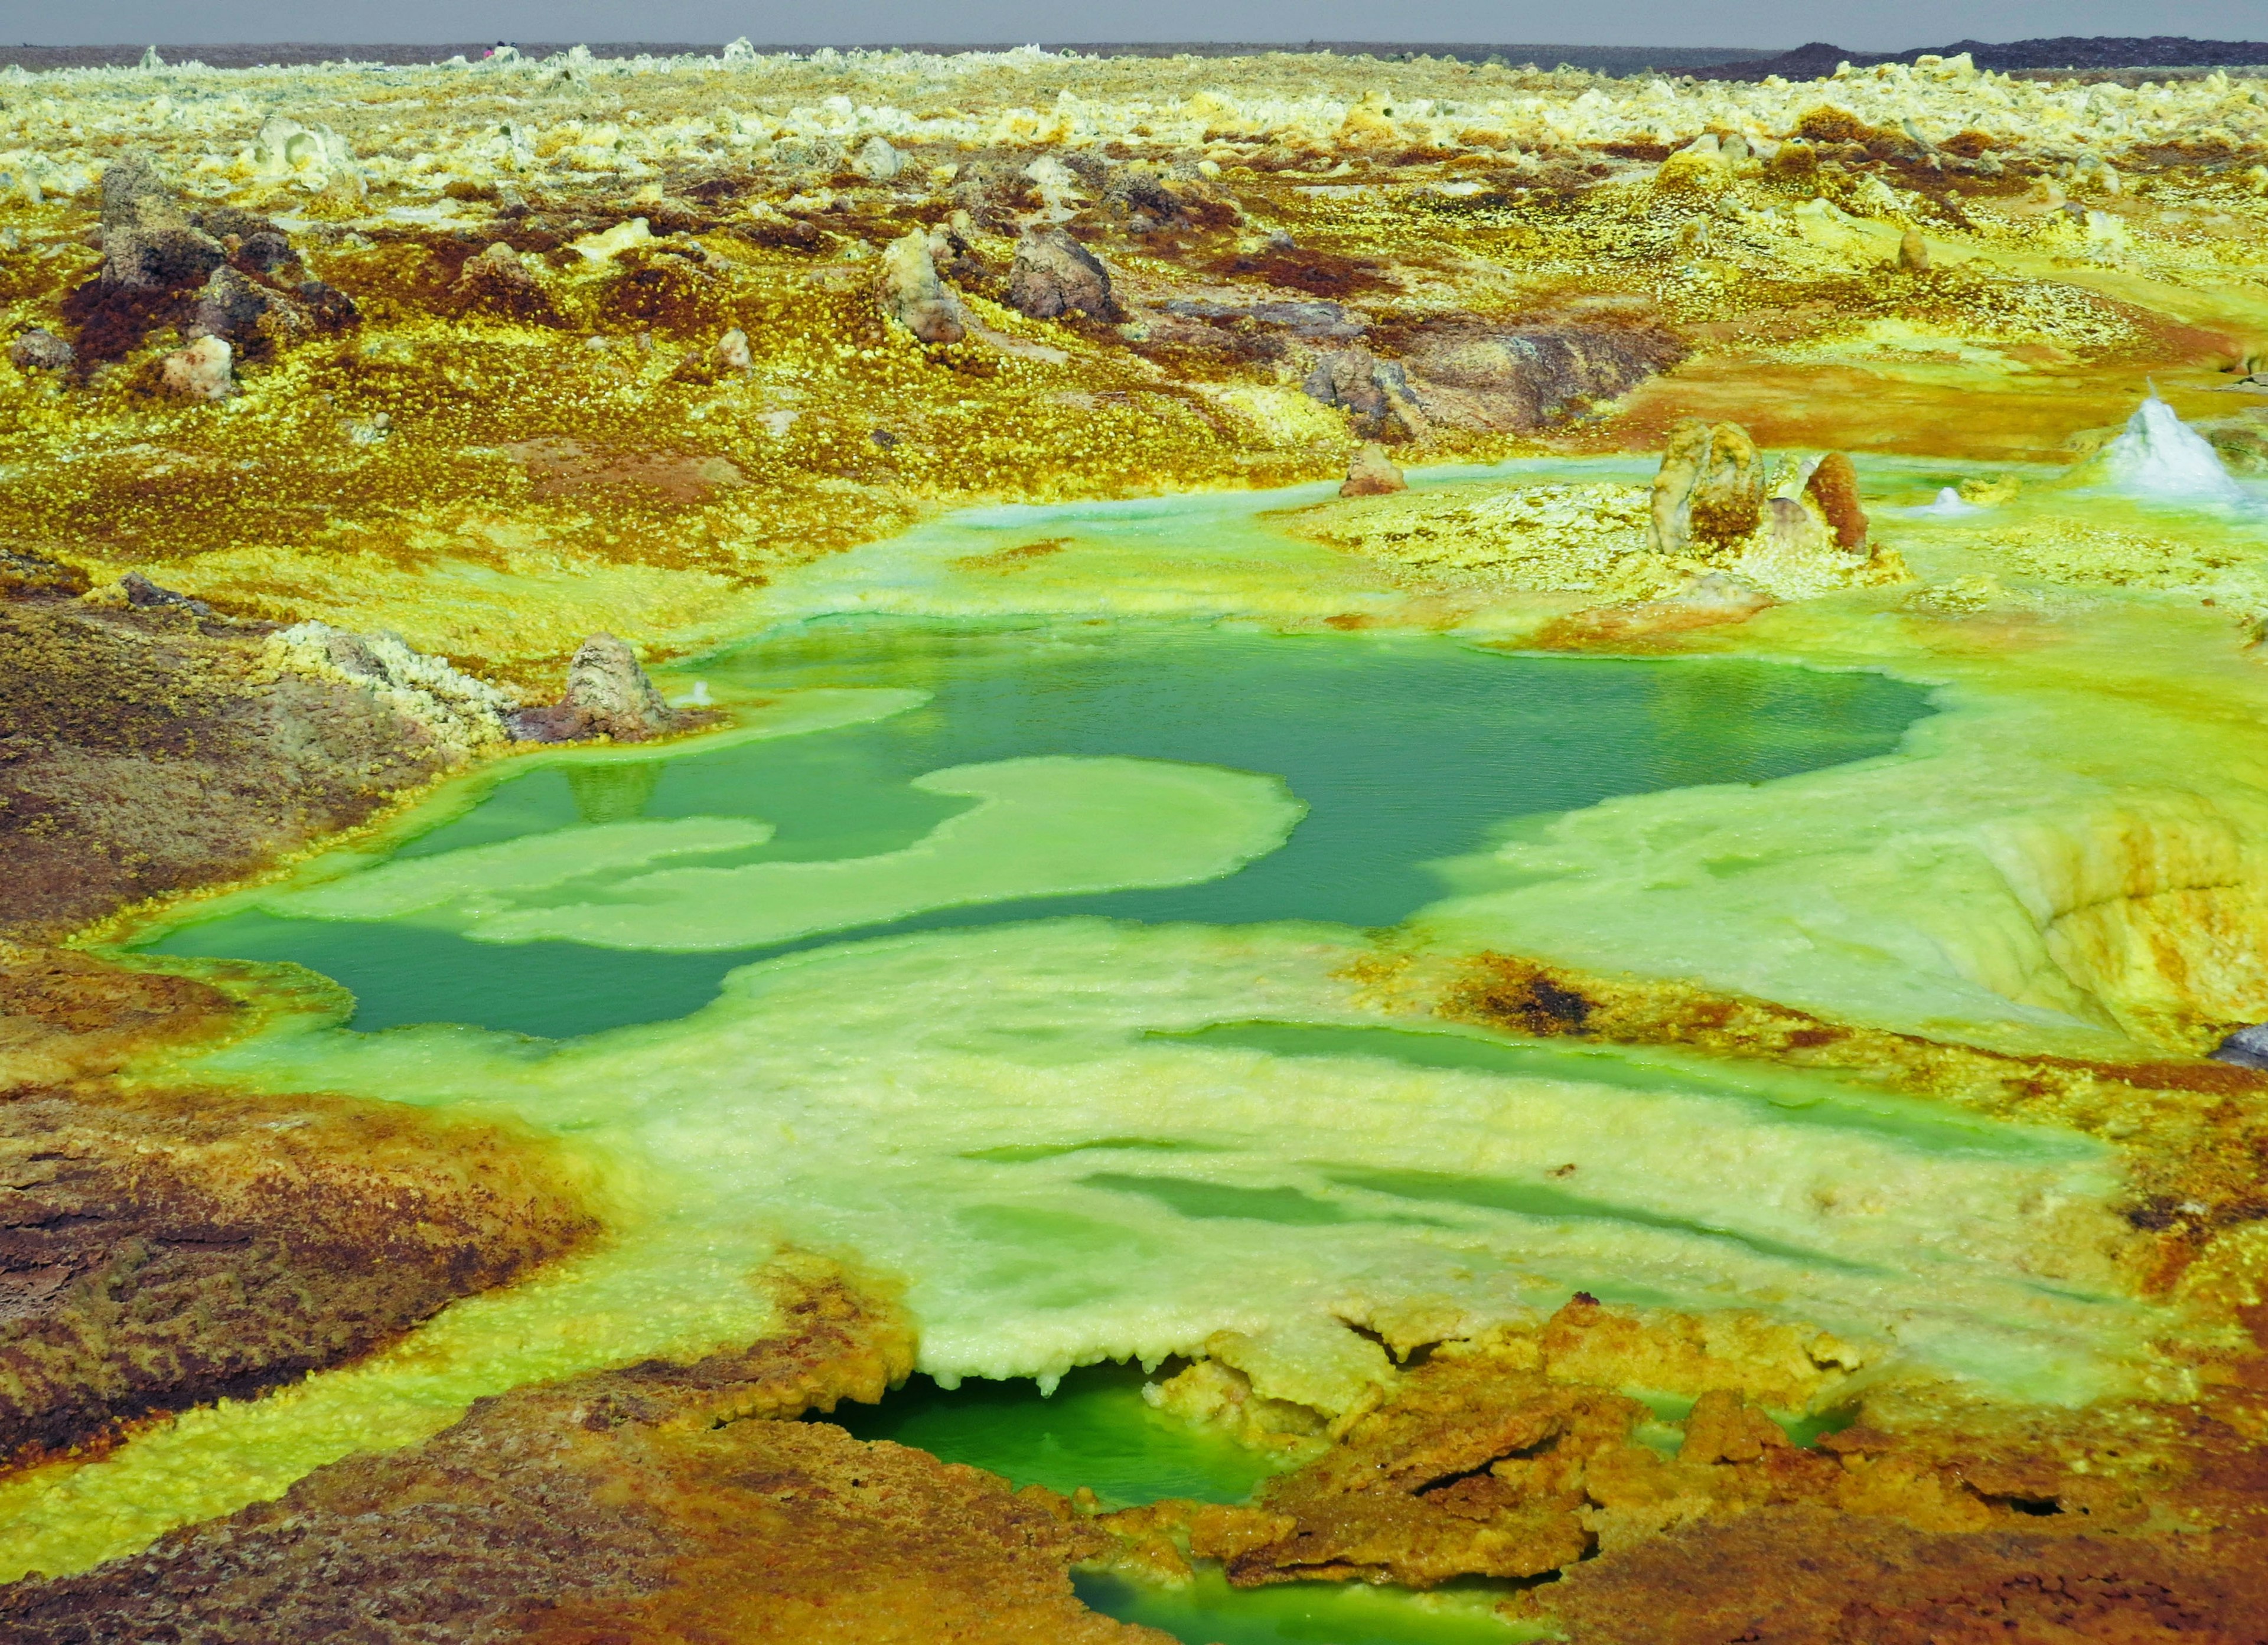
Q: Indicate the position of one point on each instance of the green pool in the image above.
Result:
(1403, 751)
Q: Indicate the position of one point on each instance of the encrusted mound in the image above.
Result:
(663, 1503)
(115, 718)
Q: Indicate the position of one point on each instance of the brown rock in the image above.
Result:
(161, 1249)
(1375, 393)
(1833, 487)
(607, 695)
(498, 281)
(1914, 251)
(40, 349)
(1469, 374)
(148, 242)
(1371, 474)
(1803, 1575)
(242, 310)
(1055, 274)
(653, 1506)
(114, 714)
(1721, 1427)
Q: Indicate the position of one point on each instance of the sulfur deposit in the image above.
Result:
(1549, 787)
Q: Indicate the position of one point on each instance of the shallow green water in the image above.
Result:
(1095, 1430)
(1404, 751)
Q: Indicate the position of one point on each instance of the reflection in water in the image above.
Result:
(614, 791)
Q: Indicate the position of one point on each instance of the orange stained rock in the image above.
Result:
(1834, 487)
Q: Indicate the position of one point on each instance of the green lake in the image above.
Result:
(1405, 751)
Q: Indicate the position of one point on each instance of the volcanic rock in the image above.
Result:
(1474, 375)
(607, 695)
(233, 307)
(147, 241)
(40, 349)
(1374, 392)
(1834, 488)
(140, 591)
(1055, 274)
(1710, 489)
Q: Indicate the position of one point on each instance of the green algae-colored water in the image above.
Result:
(1038, 988)
(1402, 752)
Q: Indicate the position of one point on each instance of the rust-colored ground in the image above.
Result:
(664, 1502)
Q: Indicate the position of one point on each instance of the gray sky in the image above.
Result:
(1762, 22)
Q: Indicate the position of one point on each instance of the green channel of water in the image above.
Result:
(1405, 751)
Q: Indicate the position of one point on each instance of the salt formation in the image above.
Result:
(2161, 458)
(1371, 474)
(199, 371)
(912, 295)
(463, 715)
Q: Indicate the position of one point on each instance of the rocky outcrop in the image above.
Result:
(218, 272)
(148, 242)
(239, 310)
(1833, 488)
(1510, 380)
(912, 296)
(1375, 393)
(1709, 490)
(1317, 321)
(1460, 374)
(1055, 274)
(496, 281)
(607, 695)
(140, 591)
(659, 1503)
(461, 715)
(40, 349)
(143, 754)
(165, 1249)
(1371, 474)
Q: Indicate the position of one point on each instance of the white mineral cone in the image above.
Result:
(2159, 456)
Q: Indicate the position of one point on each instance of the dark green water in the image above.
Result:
(1407, 751)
